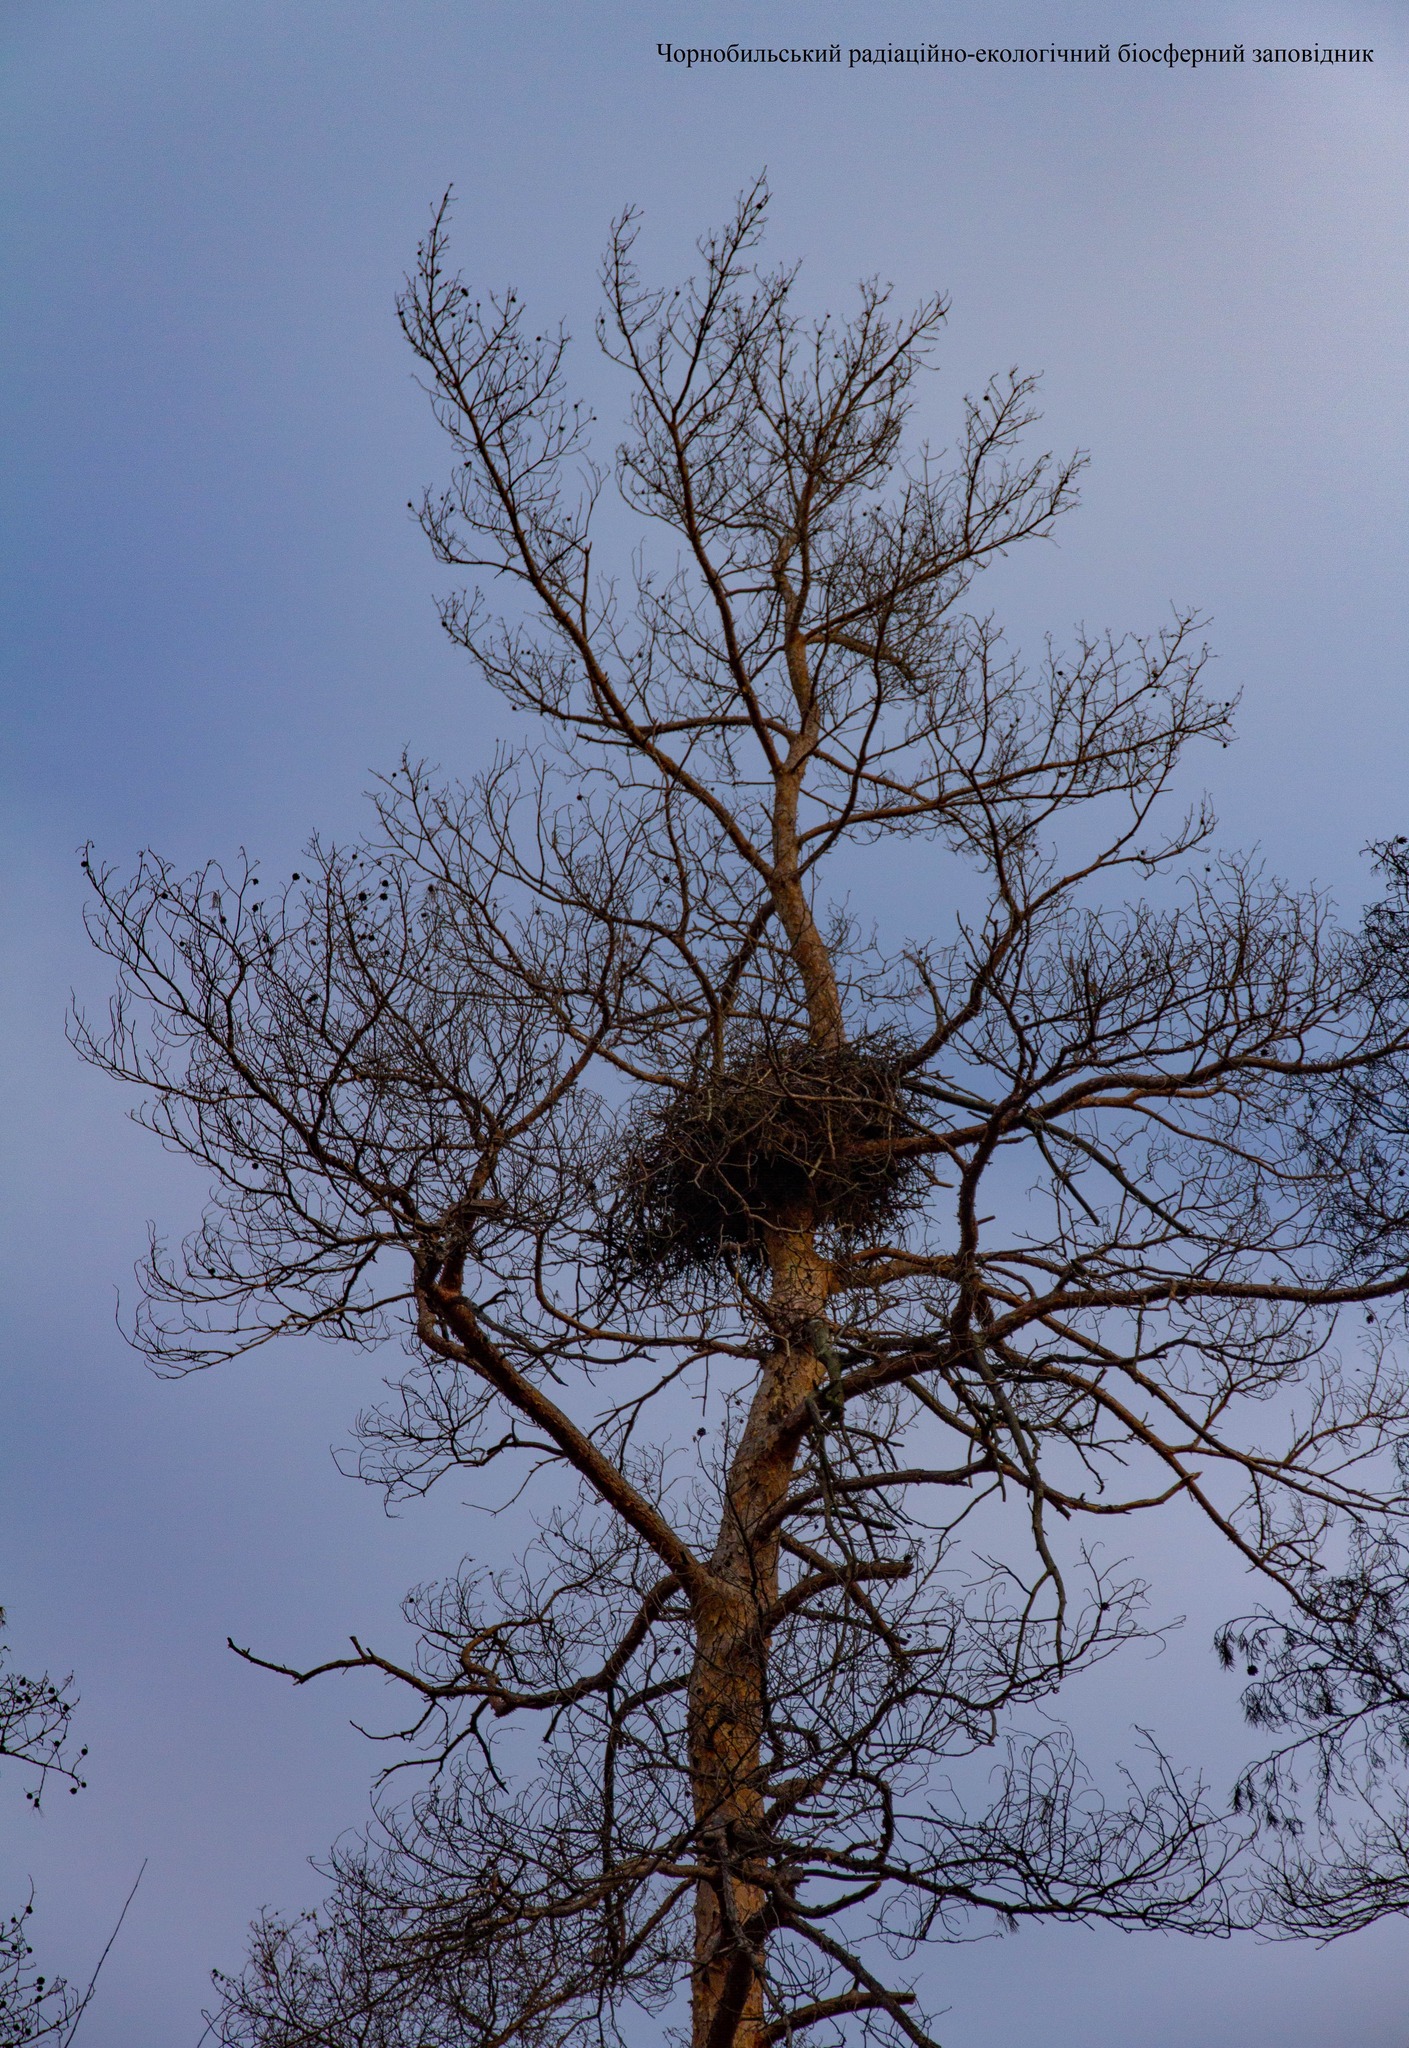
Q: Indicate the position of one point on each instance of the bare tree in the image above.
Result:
(34, 1734)
(838, 1300)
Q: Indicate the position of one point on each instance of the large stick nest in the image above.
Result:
(786, 1134)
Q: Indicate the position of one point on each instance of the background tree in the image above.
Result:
(829, 1293)
(34, 1734)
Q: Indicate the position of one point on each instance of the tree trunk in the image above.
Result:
(728, 1686)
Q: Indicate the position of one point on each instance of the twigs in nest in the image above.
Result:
(785, 1133)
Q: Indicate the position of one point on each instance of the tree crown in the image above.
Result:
(849, 1288)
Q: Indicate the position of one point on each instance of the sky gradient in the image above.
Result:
(218, 625)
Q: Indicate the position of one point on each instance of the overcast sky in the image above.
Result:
(218, 625)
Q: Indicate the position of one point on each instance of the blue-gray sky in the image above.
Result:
(218, 624)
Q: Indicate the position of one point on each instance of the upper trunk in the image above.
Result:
(729, 1683)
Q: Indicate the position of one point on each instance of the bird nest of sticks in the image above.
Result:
(785, 1133)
